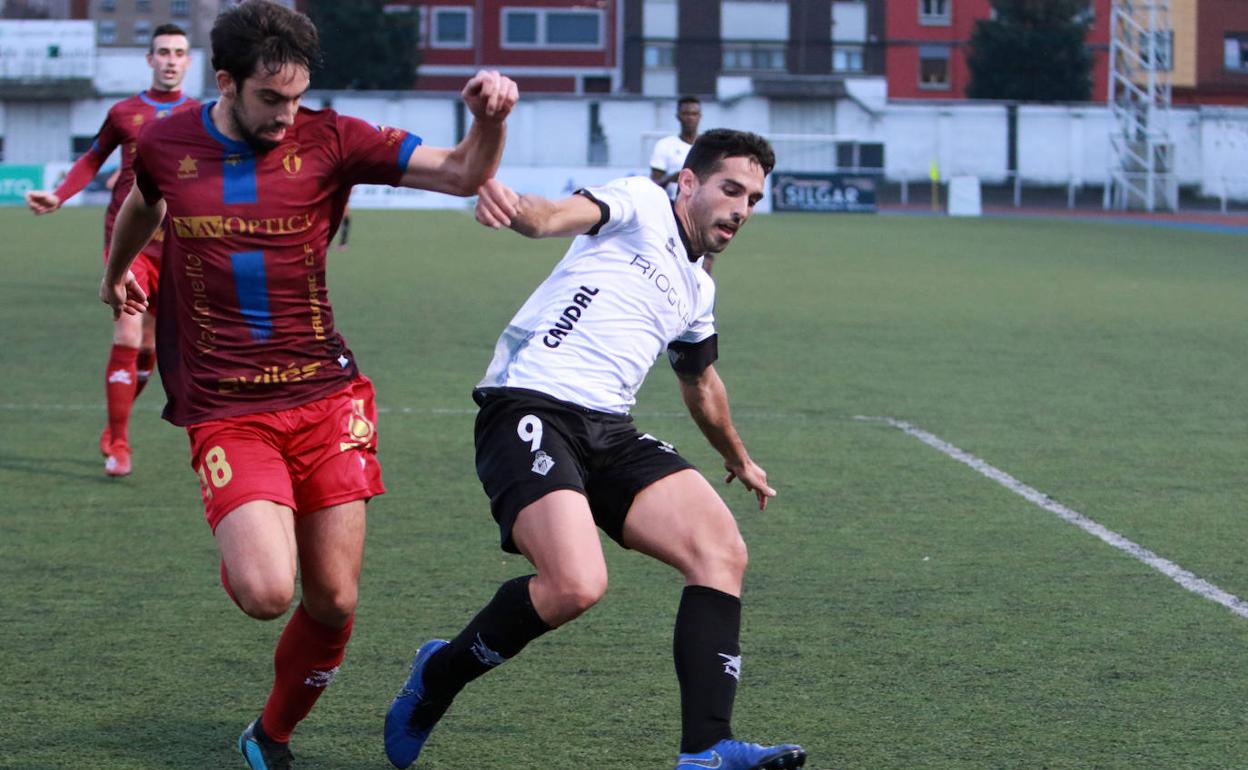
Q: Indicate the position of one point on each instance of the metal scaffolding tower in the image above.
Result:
(1142, 169)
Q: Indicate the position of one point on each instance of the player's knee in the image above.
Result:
(333, 607)
(264, 602)
(719, 559)
(574, 595)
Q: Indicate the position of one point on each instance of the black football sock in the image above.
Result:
(707, 650)
(499, 631)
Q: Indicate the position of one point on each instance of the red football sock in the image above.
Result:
(119, 384)
(306, 661)
(143, 366)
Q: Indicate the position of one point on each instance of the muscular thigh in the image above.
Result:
(525, 451)
(681, 521)
(624, 463)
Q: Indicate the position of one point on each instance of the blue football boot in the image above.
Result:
(262, 752)
(408, 724)
(736, 755)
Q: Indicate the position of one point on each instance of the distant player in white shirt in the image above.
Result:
(669, 153)
(668, 157)
(559, 457)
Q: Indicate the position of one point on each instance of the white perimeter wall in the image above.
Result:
(1056, 144)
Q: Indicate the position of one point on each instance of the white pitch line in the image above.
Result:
(157, 405)
(1166, 567)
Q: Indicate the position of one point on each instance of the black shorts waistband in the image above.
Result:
(482, 395)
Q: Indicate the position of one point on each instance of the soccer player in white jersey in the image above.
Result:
(668, 156)
(558, 454)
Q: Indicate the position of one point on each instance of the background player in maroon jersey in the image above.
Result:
(281, 423)
(134, 351)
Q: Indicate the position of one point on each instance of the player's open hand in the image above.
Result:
(124, 297)
(490, 96)
(42, 201)
(496, 204)
(752, 478)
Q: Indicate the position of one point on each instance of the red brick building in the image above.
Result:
(928, 41)
(1219, 52)
(546, 46)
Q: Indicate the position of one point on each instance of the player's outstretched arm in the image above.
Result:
(707, 399)
(135, 225)
(534, 216)
(465, 167)
(78, 177)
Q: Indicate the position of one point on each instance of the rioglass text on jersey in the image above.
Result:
(664, 283)
(568, 318)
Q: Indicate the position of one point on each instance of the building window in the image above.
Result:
(452, 28)
(1235, 56)
(755, 57)
(142, 32)
(569, 28)
(934, 67)
(934, 11)
(142, 6)
(108, 6)
(847, 58)
(1164, 42)
(660, 56)
(520, 28)
(106, 32)
(180, 8)
(552, 28)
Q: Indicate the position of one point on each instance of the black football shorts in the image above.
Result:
(530, 444)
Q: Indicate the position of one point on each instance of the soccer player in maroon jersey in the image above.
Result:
(134, 350)
(282, 425)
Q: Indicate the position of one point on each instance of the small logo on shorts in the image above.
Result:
(663, 446)
(542, 463)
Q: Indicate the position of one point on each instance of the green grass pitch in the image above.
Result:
(901, 611)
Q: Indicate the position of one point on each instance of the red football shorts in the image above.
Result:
(307, 457)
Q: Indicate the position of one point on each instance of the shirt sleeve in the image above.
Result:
(142, 177)
(618, 199)
(703, 325)
(89, 163)
(374, 154)
(658, 161)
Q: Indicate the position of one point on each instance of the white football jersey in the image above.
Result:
(592, 330)
(669, 157)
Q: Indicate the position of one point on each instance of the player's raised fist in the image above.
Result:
(490, 95)
(496, 204)
(42, 201)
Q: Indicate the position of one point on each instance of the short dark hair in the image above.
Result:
(687, 100)
(165, 29)
(712, 147)
(259, 32)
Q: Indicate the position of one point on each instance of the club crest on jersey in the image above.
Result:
(542, 463)
(188, 168)
(163, 113)
(291, 160)
(137, 120)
